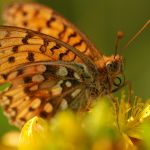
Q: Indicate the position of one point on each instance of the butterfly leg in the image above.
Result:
(116, 107)
(128, 84)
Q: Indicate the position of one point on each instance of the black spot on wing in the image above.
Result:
(78, 43)
(30, 57)
(4, 76)
(50, 69)
(24, 13)
(61, 34)
(43, 114)
(56, 47)
(74, 34)
(27, 79)
(11, 59)
(48, 23)
(20, 72)
(42, 49)
(31, 109)
(63, 54)
(15, 49)
(25, 23)
(26, 38)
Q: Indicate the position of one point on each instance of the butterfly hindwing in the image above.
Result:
(42, 90)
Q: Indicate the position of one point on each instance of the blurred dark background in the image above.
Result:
(100, 20)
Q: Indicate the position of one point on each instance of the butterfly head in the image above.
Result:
(114, 65)
(112, 69)
(115, 76)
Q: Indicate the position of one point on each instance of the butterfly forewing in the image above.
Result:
(20, 46)
(46, 20)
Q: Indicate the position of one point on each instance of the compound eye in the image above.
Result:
(117, 81)
(112, 67)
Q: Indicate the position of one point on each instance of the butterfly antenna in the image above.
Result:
(135, 36)
(119, 37)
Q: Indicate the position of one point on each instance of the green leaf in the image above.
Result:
(5, 86)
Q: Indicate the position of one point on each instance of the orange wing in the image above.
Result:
(20, 46)
(43, 74)
(46, 20)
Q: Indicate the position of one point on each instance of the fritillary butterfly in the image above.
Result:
(51, 68)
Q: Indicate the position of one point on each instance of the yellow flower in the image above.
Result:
(10, 141)
(34, 134)
(99, 129)
(130, 120)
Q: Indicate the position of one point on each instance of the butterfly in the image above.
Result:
(50, 65)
